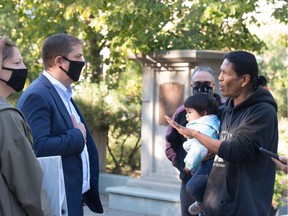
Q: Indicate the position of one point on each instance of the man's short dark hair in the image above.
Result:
(57, 45)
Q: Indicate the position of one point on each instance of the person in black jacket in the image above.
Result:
(202, 81)
(241, 181)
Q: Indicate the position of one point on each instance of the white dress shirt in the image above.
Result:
(66, 95)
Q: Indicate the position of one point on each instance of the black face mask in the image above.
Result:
(202, 88)
(17, 79)
(74, 69)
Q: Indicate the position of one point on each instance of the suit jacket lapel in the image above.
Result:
(78, 111)
(58, 101)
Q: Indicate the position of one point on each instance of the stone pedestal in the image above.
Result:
(157, 191)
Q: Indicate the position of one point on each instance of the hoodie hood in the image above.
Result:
(260, 95)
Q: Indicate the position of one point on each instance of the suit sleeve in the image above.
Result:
(51, 133)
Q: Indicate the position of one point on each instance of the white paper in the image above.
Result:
(53, 183)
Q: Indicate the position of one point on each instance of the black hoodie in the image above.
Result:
(242, 179)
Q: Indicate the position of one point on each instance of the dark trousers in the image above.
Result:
(196, 186)
(185, 199)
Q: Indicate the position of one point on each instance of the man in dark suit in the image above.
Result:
(57, 124)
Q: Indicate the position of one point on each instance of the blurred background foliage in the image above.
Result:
(109, 93)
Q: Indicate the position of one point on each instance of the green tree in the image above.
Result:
(122, 27)
(140, 26)
(273, 64)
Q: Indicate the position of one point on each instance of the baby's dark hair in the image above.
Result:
(202, 103)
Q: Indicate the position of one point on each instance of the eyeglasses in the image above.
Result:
(197, 83)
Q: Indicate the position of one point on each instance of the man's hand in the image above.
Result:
(209, 156)
(282, 164)
(186, 132)
(79, 125)
(186, 169)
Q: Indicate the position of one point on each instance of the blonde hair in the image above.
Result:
(8, 50)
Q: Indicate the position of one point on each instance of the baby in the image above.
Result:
(202, 115)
